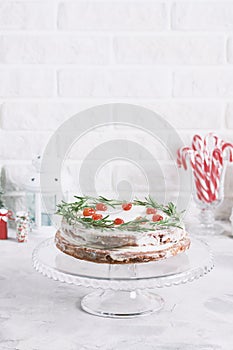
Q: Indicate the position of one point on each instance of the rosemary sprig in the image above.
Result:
(92, 201)
(72, 213)
(169, 209)
(127, 226)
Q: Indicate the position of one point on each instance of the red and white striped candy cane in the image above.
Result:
(207, 159)
(218, 155)
(182, 155)
(179, 157)
(211, 141)
(227, 146)
(197, 143)
(201, 181)
(202, 194)
(216, 171)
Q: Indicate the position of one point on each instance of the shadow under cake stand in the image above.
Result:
(122, 290)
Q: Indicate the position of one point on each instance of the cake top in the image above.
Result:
(112, 214)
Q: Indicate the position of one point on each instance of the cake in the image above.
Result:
(111, 231)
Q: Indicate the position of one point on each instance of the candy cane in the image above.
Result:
(216, 160)
(207, 159)
(228, 146)
(202, 194)
(211, 137)
(182, 155)
(214, 180)
(198, 168)
(218, 155)
(201, 180)
(207, 182)
(197, 143)
(179, 157)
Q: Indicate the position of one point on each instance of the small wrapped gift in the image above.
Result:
(3, 223)
(22, 226)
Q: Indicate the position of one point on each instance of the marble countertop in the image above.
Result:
(37, 313)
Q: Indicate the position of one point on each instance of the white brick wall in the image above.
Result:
(27, 82)
(169, 49)
(115, 82)
(113, 15)
(204, 83)
(202, 15)
(27, 15)
(54, 49)
(59, 57)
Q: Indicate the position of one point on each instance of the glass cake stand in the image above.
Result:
(122, 290)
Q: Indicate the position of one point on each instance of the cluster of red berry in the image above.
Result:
(118, 221)
(155, 217)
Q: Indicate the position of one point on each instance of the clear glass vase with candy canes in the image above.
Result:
(207, 157)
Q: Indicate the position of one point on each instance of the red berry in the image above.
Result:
(118, 221)
(101, 207)
(97, 216)
(88, 211)
(126, 206)
(151, 210)
(157, 217)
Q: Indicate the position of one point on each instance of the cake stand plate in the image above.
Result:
(122, 290)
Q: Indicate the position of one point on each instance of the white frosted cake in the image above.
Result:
(117, 232)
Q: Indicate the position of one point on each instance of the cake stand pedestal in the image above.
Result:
(122, 290)
(121, 304)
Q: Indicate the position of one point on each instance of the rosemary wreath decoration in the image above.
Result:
(73, 213)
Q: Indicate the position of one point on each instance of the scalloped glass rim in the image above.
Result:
(183, 268)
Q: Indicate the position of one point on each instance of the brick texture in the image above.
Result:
(113, 15)
(27, 15)
(60, 49)
(203, 83)
(169, 49)
(202, 15)
(27, 82)
(58, 58)
(115, 83)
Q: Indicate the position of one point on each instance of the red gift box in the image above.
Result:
(3, 223)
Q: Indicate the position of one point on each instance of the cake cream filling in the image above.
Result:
(121, 254)
(142, 249)
(122, 241)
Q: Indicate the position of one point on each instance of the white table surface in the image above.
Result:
(37, 313)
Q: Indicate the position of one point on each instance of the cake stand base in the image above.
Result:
(121, 304)
(123, 291)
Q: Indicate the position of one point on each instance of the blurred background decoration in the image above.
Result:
(33, 196)
(175, 58)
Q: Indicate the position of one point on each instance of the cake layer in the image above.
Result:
(77, 234)
(123, 255)
(118, 232)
